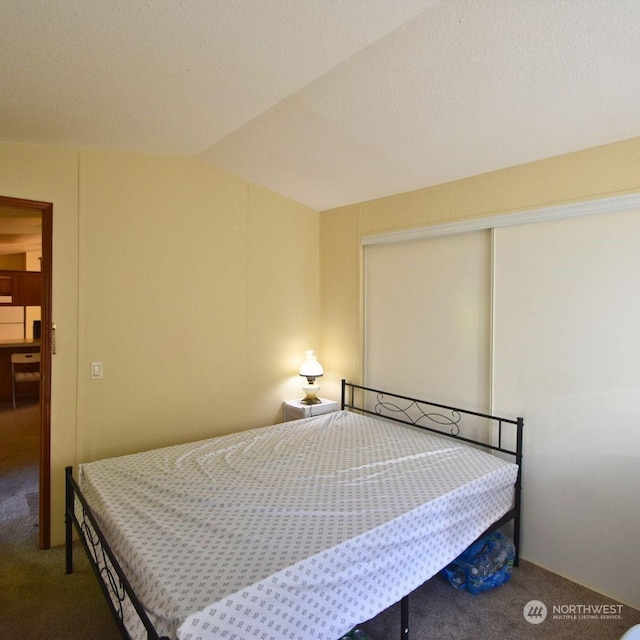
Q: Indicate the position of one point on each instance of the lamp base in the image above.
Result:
(310, 392)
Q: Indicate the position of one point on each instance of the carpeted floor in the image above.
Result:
(437, 611)
(19, 446)
(37, 599)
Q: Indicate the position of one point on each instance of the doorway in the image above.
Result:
(13, 211)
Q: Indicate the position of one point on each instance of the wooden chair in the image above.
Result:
(25, 369)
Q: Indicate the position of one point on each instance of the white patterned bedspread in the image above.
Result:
(299, 530)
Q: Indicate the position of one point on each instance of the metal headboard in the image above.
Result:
(431, 416)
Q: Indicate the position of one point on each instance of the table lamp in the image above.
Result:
(310, 369)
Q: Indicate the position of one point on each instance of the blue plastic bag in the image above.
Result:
(484, 565)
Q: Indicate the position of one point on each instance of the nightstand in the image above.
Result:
(295, 409)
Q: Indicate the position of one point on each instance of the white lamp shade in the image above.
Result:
(310, 368)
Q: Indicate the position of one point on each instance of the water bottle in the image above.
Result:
(479, 572)
(481, 567)
(456, 576)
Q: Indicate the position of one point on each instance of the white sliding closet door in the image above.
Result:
(427, 318)
(567, 357)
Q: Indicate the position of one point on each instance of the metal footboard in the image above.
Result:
(114, 583)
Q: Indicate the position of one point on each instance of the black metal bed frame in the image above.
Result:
(435, 417)
(390, 406)
(115, 586)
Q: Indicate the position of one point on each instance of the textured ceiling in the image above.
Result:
(328, 102)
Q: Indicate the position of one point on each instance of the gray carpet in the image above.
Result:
(437, 611)
(19, 447)
(37, 599)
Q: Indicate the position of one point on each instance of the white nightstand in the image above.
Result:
(294, 409)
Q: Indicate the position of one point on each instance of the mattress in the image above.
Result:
(299, 530)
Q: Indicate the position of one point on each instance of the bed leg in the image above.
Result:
(518, 505)
(516, 541)
(404, 618)
(67, 520)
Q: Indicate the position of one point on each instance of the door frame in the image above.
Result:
(46, 335)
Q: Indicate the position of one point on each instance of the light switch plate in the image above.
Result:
(96, 370)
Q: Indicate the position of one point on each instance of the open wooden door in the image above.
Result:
(46, 349)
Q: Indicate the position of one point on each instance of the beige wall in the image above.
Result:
(197, 290)
(607, 170)
(341, 322)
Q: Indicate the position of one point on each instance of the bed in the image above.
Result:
(300, 530)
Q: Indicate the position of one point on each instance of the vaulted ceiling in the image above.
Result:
(328, 102)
